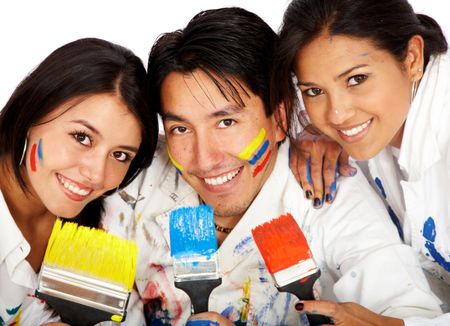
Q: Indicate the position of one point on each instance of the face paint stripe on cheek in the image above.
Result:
(33, 158)
(260, 153)
(175, 163)
(39, 153)
(262, 165)
(253, 146)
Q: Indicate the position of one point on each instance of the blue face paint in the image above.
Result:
(192, 231)
(429, 233)
(260, 153)
(39, 152)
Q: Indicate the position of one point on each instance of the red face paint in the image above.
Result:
(33, 158)
(262, 165)
(281, 243)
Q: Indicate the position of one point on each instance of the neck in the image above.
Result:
(224, 226)
(23, 205)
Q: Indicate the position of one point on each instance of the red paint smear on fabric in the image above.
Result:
(33, 158)
(262, 165)
(281, 242)
(156, 290)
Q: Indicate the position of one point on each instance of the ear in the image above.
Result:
(414, 59)
(280, 121)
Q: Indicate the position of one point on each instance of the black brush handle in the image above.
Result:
(303, 290)
(74, 313)
(198, 292)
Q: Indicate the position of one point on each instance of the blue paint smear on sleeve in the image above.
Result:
(380, 186)
(429, 233)
(13, 311)
(396, 222)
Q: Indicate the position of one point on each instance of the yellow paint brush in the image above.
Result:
(87, 274)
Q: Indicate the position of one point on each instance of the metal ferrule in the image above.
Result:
(295, 272)
(84, 290)
(196, 267)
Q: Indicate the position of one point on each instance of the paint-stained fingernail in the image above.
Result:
(328, 197)
(299, 306)
(317, 203)
(352, 171)
(308, 194)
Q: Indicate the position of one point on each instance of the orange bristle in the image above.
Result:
(281, 243)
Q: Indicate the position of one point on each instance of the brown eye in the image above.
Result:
(226, 123)
(312, 92)
(179, 130)
(121, 156)
(356, 80)
(82, 138)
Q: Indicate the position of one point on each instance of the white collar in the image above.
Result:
(10, 235)
(419, 149)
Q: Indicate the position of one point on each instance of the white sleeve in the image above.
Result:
(376, 270)
(443, 320)
(119, 213)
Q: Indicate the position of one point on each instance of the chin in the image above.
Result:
(361, 155)
(68, 213)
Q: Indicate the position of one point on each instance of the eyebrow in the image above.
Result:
(95, 131)
(350, 70)
(223, 112)
(346, 72)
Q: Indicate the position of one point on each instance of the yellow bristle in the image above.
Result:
(92, 252)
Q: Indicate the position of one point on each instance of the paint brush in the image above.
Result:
(193, 245)
(288, 258)
(87, 274)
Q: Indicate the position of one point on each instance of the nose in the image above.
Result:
(340, 109)
(208, 153)
(93, 168)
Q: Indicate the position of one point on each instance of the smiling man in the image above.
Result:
(224, 147)
(216, 140)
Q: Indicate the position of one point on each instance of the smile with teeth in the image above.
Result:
(72, 187)
(356, 130)
(220, 180)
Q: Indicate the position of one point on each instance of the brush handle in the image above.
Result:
(303, 290)
(74, 313)
(198, 292)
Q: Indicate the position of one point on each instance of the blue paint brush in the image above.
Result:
(193, 246)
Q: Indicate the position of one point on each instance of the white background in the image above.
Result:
(31, 29)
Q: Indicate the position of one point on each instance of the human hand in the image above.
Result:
(315, 160)
(347, 313)
(208, 319)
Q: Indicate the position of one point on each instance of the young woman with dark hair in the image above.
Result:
(76, 129)
(375, 77)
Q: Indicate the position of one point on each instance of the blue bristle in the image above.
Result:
(192, 231)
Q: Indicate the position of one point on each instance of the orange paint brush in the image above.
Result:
(289, 260)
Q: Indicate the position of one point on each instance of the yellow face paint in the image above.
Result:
(253, 146)
(175, 163)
